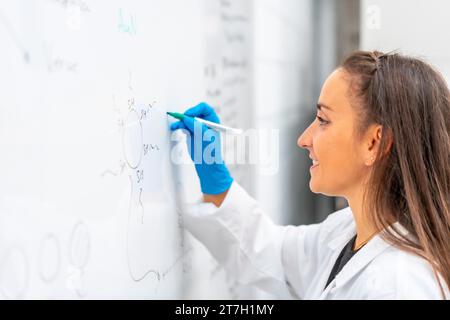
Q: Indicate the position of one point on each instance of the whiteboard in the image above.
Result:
(90, 202)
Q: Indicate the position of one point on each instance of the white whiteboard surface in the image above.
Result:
(89, 199)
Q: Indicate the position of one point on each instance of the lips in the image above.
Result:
(315, 163)
(313, 166)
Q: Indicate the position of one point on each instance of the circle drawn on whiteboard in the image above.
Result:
(49, 258)
(132, 140)
(79, 246)
(14, 272)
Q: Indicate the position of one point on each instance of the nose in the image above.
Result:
(305, 139)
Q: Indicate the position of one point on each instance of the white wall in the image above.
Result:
(415, 27)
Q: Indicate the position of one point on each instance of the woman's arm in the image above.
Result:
(242, 239)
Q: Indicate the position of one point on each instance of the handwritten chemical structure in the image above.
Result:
(140, 129)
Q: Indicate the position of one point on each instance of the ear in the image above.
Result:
(372, 143)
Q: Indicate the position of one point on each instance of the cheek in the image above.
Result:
(331, 148)
(339, 165)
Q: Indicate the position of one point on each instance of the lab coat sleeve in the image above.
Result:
(249, 245)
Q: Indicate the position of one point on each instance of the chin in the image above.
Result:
(313, 187)
(316, 188)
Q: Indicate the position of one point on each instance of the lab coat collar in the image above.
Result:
(341, 240)
(363, 257)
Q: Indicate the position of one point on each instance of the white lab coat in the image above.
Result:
(296, 261)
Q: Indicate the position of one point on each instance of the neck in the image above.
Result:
(364, 229)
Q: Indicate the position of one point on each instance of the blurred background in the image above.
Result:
(297, 45)
(90, 204)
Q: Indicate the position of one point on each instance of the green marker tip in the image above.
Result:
(176, 115)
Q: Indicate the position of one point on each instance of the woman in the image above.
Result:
(381, 140)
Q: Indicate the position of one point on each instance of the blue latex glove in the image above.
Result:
(205, 149)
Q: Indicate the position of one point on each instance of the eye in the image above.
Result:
(321, 121)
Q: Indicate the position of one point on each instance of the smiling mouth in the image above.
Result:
(315, 164)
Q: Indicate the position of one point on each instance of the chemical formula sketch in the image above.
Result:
(143, 132)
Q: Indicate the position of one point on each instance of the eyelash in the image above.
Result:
(321, 121)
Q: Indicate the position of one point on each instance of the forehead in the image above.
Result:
(335, 91)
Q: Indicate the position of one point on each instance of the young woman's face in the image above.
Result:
(338, 161)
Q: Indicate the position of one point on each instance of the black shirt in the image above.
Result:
(346, 254)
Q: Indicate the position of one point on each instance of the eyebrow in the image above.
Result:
(321, 105)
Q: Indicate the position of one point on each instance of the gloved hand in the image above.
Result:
(205, 149)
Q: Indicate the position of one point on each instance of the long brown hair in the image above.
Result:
(410, 180)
